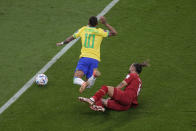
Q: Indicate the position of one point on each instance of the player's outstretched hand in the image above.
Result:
(59, 44)
(103, 20)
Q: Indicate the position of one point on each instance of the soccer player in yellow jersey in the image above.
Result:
(91, 39)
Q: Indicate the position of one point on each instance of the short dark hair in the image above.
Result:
(93, 21)
(138, 66)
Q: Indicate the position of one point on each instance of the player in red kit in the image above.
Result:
(119, 99)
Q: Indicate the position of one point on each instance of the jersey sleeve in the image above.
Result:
(77, 33)
(128, 78)
(104, 33)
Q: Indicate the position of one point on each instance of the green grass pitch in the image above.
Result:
(160, 30)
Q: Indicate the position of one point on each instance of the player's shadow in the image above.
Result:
(94, 113)
(113, 118)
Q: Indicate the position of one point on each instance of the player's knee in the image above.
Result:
(110, 91)
(79, 74)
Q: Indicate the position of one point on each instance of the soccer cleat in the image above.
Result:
(86, 100)
(97, 108)
(83, 86)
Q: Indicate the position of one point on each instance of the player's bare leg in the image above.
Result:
(90, 81)
(96, 73)
(83, 86)
(78, 80)
(79, 73)
(78, 77)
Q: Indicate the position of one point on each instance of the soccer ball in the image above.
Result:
(41, 79)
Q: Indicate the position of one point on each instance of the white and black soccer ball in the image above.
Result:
(41, 79)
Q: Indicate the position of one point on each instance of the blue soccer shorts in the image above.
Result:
(87, 65)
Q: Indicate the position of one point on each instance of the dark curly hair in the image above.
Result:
(138, 66)
(93, 21)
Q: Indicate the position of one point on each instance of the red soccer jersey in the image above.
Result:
(134, 85)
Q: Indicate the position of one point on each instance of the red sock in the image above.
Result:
(99, 103)
(100, 93)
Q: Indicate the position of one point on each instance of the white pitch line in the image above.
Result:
(50, 63)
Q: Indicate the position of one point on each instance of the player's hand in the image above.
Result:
(59, 44)
(103, 20)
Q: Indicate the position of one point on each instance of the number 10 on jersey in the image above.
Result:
(88, 43)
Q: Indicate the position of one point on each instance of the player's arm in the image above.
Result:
(69, 39)
(122, 84)
(112, 32)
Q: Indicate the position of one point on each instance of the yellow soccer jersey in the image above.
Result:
(91, 39)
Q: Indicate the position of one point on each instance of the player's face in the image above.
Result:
(132, 68)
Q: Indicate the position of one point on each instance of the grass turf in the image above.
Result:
(161, 30)
(29, 31)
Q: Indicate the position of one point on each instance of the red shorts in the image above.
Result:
(121, 100)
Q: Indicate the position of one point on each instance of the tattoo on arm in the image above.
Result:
(122, 84)
(68, 39)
